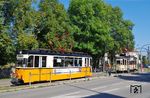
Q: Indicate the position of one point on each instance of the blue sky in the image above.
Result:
(138, 11)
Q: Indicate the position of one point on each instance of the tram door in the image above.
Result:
(37, 61)
(42, 61)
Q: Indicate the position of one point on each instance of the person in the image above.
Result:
(69, 65)
(109, 70)
(106, 67)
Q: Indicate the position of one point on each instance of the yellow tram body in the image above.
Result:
(47, 74)
(55, 67)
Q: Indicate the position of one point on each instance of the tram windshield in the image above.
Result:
(21, 62)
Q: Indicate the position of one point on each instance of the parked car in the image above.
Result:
(146, 66)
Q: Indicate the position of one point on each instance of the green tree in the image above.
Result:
(100, 28)
(54, 30)
(21, 16)
(144, 60)
(92, 28)
(121, 32)
(6, 45)
(24, 24)
(17, 24)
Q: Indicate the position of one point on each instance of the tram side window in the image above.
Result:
(69, 61)
(30, 61)
(36, 61)
(87, 62)
(59, 62)
(44, 61)
(118, 62)
(123, 62)
(24, 62)
(78, 62)
(91, 63)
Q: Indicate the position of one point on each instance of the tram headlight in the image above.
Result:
(20, 52)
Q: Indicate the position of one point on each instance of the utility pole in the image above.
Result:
(148, 55)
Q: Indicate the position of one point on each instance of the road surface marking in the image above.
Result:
(73, 93)
(68, 95)
(100, 87)
(115, 89)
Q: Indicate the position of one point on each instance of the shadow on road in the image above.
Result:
(104, 95)
(140, 77)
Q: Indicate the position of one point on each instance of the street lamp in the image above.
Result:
(141, 54)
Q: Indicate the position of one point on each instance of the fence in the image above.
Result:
(51, 73)
(5, 73)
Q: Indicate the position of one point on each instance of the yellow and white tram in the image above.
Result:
(46, 65)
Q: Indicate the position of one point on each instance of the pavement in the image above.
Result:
(5, 82)
(97, 87)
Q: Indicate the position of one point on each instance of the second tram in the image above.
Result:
(126, 63)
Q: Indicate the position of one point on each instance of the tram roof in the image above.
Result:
(50, 52)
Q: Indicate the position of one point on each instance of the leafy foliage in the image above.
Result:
(54, 28)
(89, 17)
(100, 27)
(6, 45)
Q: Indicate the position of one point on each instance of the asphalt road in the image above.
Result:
(109, 87)
(5, 82)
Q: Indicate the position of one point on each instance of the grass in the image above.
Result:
(5, 78)
(146, 69)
